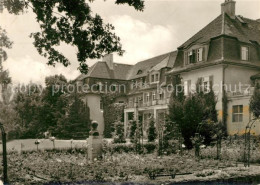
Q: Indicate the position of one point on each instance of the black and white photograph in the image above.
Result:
(118, 92)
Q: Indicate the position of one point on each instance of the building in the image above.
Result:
(225, 54)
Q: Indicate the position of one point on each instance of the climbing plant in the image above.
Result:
(112, 112)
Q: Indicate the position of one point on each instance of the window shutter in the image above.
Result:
(200, 53)
(185, 58)
(199, 84)
(193, 56)
(203, 54)
(189, 86)
(211, 81)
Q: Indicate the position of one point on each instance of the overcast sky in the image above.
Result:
(161, 27)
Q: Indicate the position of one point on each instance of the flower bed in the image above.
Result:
(72, 165)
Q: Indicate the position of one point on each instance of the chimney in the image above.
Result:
(108, 58)
(229, 7)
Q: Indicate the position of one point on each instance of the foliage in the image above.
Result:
(172, 133)
(67, 166)
(112, 112)
(133, 127)
(255, 102)
(188, 112)
(51, 109)
(28, 106)
(152, 131)
(119, 132)
(77, 123)
(70, 22)
(232, 149)
(5, 43)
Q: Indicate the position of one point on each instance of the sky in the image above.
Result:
(160, 28)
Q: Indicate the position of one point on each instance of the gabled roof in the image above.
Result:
(101, 70)
(213, 29)
(158, 62)
(128, 72)
(244, 29)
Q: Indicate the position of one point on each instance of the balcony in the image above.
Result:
(243, 92)
(148, 104)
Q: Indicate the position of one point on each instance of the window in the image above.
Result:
(161, 95)
(152, 78)
(113, 88)
(244, 53)
(200, 54)
(101, 106)
(154, 96)
(195, 55)
(99, 86)
(121, 102)
(139, 72)
(130, 102)
(186, 87)
(191, 57)
(206, 84)
(237, 113)
(147, 97)
(155, 77)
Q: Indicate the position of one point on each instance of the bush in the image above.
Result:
(119, 133)
(120, 148)
(152, 131)
(150, 147)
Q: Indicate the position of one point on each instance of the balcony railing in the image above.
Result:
(148, 104)
(241, 92)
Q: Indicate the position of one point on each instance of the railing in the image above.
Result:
(241, 92)
(150, 103)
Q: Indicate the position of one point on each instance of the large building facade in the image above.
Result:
(225, 54)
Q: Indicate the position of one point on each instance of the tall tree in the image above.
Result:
(54, 102)
(28, 106)
(255, 102)
(188, 112)
(152, 134)
(77, 123)
(71, 22)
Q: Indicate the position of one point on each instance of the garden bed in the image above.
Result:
(72, 165)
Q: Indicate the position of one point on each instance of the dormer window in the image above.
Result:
(191, 57)
(244, 53)
(195, 55)
(155, 77)
(139, 72)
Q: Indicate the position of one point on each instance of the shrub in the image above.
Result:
(152, 131)
(119, 133)
(150, 147)
(120, 148)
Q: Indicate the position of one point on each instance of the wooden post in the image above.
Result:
(4, 154)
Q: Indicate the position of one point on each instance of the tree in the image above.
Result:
(71, 22)
(28, 105)
(188, 112)
(77, 123)
(255, 102)
(112, 112)
(4, 43)
(119, 132)
(133, 127)
(152, 131)
(55, 103)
